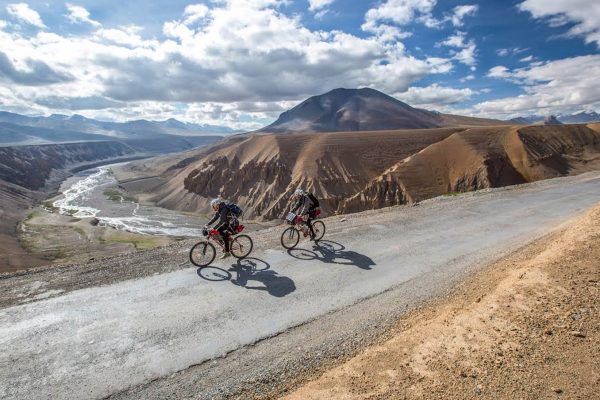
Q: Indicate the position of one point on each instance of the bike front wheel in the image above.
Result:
(319, 229)
(241, 246)
(202, 254)
(290, 238)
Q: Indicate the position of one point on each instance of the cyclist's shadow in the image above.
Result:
(331, 252)
(248, 270)
(256, 270)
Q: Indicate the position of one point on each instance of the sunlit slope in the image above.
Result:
(480, 158)
(353, 171)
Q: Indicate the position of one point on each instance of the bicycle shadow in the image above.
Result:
(248, 270)
(330, 252)
(254, 269)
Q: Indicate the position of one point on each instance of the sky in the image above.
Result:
(240, 63)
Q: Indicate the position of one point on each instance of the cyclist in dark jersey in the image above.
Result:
(226, 220)
(306, 205)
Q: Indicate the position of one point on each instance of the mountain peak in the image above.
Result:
(344, 109)
(551, 120)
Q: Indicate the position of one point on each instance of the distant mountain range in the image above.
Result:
(580, 118)
(363, 110)
(62, 128)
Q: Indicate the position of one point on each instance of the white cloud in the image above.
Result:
(244, 53)
(316, 5)
(526, 59)
(584, 13)
(400, 12)
(434, 96)
(499, 71)
(194, 13)
(468, 49)
(456, 40)
(467, 55)
(78, 15)
(460, 12)
(554, 87)
(24, 13)
(510, 51)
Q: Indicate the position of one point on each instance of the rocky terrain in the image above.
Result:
(29, 174)
(36, 167)
(261, 171)
(482, 158)
(362, 110)
(354, 171)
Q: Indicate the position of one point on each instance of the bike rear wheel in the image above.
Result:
(241, 246)
(290, 238)
(202, 254)
(319, 228)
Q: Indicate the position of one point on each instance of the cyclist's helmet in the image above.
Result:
(215, 203)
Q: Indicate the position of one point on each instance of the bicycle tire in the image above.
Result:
(290, 238)
(245, 249)
(202, 254)
(319, 229)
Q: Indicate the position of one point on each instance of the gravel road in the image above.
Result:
(150, 326)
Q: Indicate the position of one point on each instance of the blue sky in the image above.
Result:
(242, 62)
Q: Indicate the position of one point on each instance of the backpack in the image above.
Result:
(235, 209)
(313, 199)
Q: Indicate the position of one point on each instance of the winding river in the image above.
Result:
(84, 197)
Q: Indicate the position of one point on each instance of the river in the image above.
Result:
(84, 197)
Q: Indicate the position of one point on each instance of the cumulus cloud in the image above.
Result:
(403, 12)
(316, 5)
(319, 7)
(399, 12)
(434, 96)
(36, 73)
(460, 12)
(584, 14)
(556, 87)
(24, 13)
(235, 57)
(467, 49)
(499, 71)
(79, 15)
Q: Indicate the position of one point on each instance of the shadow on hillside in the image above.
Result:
(252, 274)
(331, 252)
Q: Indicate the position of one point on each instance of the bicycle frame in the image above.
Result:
(216, 237)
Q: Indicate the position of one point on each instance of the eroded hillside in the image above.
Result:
(481, 158)
(355, 171)
(261, 171)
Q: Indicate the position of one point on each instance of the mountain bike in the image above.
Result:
(291, 236)
(204, 252)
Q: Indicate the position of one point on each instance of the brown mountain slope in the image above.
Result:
(354, 171)
(480, 158)
(261, 171)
